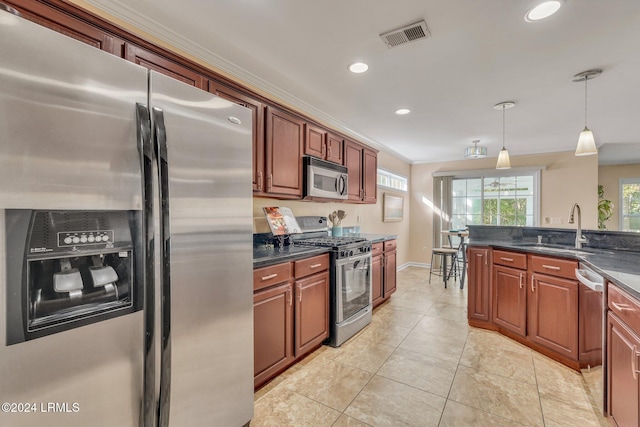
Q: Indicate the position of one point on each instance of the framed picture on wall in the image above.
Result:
(393, 208)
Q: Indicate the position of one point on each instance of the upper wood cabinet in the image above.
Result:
(334, 149)
(283, 153)
(322, 144)
(162, 65)
(68, 25)
(369, 176)
(257, 128)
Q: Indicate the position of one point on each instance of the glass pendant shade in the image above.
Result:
(586, 143)
(503, 160)
(475, 152)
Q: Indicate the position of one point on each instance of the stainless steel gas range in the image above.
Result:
(350, 306)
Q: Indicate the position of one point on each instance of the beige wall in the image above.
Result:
(609, 177)
(567, 179)
(370, 215)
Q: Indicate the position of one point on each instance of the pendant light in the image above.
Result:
(503, 157)
(475, 152)
(586, 143)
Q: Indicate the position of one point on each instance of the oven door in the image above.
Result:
(353, 285)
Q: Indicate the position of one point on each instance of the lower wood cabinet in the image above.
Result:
(553, 314)
(536, 300)
(383, 271)
(291, 313)
(510, 299)
(623, 358)
(479, 293)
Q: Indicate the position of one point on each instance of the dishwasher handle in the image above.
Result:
(590, 279)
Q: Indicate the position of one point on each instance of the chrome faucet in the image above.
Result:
(580, 239)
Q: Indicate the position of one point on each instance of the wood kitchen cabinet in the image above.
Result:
(290, 313)
(510, 299)
(362, 164)
(553, 302)
(257, 128)
(390, 268)
(478, 288)
(312, 303)
(162, 65)
(322, 144)
(623, 346)
(377, 296)
(283, 153)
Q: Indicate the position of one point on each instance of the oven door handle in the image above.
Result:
(352, 259)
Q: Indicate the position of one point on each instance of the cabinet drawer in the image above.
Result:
(311, 265)
(267, 276)
(554, 266)
(376, 249)
(625, 307)
(510, 259)
(390, 245)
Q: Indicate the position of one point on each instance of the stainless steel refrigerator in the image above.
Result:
(125, 242)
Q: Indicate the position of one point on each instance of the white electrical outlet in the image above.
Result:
(358, 219)
(556, 220)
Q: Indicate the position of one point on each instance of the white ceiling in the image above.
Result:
(481, 52)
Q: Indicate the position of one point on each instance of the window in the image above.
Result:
(495, 200)
(392, 180)
(630, 204)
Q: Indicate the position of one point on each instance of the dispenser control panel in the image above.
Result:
(81, 238)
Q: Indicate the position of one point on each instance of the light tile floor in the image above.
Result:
(419, 364)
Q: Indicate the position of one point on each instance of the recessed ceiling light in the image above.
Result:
(402, 111)
(358, 67)
(543, 10)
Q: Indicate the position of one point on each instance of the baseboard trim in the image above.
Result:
(413, 264)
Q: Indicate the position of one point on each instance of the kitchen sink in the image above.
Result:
(559, 249)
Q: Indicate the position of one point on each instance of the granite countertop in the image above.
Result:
(619, 267)
(374, 238)
(264, 256)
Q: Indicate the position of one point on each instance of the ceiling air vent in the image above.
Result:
(413, 32)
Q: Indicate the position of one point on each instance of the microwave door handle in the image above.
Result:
(342, 184)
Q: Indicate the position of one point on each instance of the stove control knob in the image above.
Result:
(350, 253)
(342, 253)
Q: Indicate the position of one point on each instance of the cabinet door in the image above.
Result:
(153, 61)
(353, 162)
(510, 299)
(370, 175)
(376, 280)
(334, 149)
(272, 332)
(389, 273)
(312, 312)
(68, 25)
(553, 314)
(622, 373)
(257, 128)
(479, 291)
(285, 136)
(314, 143)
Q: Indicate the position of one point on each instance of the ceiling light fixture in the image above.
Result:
(475, 152)
(542, 11)
(402, 111)
(586, 142)
(503, 157)
(358, 67)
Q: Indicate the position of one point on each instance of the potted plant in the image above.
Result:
(605, 209)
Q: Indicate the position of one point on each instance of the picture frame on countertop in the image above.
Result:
(392, 208)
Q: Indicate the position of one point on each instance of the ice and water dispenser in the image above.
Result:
(69, 268)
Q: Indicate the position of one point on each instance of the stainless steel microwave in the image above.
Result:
(324, 179)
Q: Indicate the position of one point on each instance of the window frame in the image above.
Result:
(621, 216)
(493, 173)
(394, 176)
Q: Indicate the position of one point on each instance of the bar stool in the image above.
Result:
(443, 254)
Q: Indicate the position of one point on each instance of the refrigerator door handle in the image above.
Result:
(146, 157)
(165, 260)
